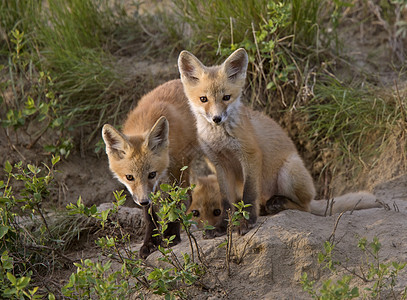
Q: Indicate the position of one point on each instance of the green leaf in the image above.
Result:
(165, 187)
(8, 167)
(55, 159)
(172, 216)
(104, 214)
(33, 169)
(270, 85)
(12, 278)
(221, 245)
(3, 231)
(23, 282)
(37, 197)
(93, 209)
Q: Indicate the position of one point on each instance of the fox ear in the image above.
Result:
(157, 138)
(190, 67)
(116, 142)
(235, 66)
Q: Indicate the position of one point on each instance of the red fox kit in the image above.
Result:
(245, 146)
(157, 140)
(206, 205)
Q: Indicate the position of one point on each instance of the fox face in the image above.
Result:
(206, 206)
(214, 92)
(139, 162)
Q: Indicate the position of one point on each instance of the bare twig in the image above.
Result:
(229, 241)
(351, 212)
(247, 242)
(331, 239)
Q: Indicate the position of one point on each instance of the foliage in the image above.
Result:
(171, 204)
(24, 249)
(72, 43)
(351, 123)
(37, 104)
(381, 276)
(14, 287)
(94, 279)
(281, 38)
(97, 279)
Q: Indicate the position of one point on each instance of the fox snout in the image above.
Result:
(141, 201)
(217, 119)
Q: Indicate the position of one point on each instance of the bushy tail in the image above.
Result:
(347, 202)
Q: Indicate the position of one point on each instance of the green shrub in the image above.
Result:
(382, 277)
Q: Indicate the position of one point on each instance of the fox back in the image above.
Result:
(157, 140)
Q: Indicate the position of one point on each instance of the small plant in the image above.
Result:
(234, 221)
(171, 203)
(383, 276)
(97, 279)
(29, 245)
(340, 289)
(14, 286)
(38, 104)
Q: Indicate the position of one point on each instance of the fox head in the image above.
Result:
(139, 162)
(206, 204)
(214, 92)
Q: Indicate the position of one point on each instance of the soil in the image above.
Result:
(273, 256)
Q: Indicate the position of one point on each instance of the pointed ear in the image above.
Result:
(189, 67)
(157, 138)
(235, 66)
(116, 142)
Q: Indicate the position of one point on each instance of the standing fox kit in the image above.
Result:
(157, 140)
(247, 147)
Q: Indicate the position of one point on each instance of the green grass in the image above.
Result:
(353, 124)
(74, 42)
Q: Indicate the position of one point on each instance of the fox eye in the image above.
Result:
(203, 99)
(226, 98)
(129, 177)
(195, 213)
(152, 175)
(216, 212)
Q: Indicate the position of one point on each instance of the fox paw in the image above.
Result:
(146, 250)
(245, 226)
(276, 204)
(210, 234)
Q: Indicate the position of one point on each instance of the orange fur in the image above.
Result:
(137, 158)
(158, 139)
(246, 147)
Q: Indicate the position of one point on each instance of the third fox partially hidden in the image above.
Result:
(246, 147)
(206, 205)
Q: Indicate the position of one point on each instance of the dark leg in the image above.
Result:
(249, 197)
(174, 228)
(150, 243)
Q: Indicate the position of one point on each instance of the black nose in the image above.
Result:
(217, 119)
(144, 202)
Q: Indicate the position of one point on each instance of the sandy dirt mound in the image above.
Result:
(274, 255)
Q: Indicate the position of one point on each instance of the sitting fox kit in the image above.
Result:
(247, 147)
(157, 140)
